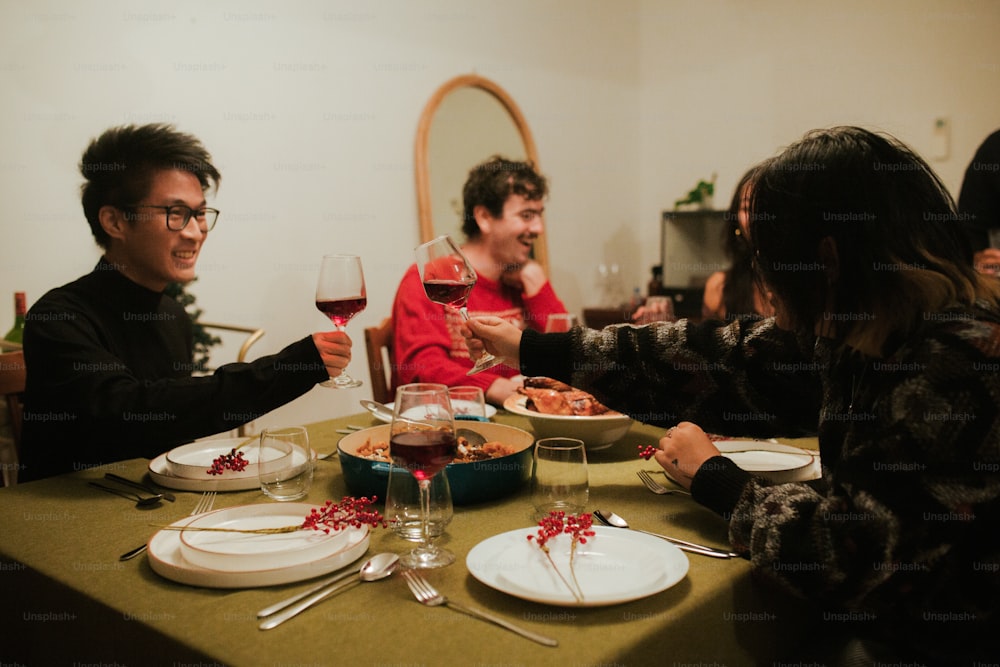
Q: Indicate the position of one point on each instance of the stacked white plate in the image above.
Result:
(225, 557)
(185, 468)
(777, 462)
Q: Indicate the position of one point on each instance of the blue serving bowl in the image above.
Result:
(470, 483)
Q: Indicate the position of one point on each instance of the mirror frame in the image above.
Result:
(424, 208)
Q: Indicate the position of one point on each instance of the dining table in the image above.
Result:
(68, 599)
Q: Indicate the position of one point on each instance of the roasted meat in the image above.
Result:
(552, 397)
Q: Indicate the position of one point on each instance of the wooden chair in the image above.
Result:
(253, 335)
(377, 340)
(12, 380)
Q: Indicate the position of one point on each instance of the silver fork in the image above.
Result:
(428, 595)
(204, 504)
(655, 486)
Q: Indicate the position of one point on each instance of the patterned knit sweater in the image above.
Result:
(902, 533)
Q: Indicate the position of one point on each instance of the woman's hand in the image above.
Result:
(499, 337)
(683, 449)
(987, 261)
(334, 348)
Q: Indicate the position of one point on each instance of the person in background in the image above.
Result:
(885, 343)
(736, 292)
(504, 207)
(109, 356)
(979, 205)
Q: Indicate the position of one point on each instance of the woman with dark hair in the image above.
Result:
(735, 292)
(886, 344)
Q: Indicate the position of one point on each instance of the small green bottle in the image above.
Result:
(16, 333)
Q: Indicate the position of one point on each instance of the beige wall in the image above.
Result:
(310, 109)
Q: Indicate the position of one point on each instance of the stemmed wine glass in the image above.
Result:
(422, 440)
(340, 295)
(448, 278)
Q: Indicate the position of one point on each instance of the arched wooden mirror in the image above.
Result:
(466, 121)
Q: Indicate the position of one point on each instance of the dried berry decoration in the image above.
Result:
(579, 526)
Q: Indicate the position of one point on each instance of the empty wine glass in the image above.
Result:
(340, 295)
(448, 278)
(422, 440)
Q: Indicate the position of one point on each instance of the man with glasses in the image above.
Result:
(109, 355)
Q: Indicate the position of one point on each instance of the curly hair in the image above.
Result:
(119, 167)
(491, 182)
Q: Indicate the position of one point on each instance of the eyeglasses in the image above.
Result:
(179, 215)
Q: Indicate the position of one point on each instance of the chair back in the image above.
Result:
(13, 375)
(378, 343)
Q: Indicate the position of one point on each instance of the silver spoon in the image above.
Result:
(609, 518)
(377, 567)
(384, 412)
(140, 501)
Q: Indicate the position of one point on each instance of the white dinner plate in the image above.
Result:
(159, 472)
(460, 407)
(246, 552)
(764, 456)
(164, 551)
(195, 459)
(614, 566)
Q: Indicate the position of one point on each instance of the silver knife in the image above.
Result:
(278, 606)
(293, 610)
(138, 485)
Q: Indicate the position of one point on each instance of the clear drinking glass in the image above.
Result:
(559, 479)
(468, 403)
(422, 440)
(340, 295)
(285, 463)
(402, 505)
(448, 278)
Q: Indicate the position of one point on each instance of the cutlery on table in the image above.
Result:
(609, 518)
(656, 487)
(377, 567)
(169, 497)
(204, 504)
(428, 595)
(140, 501)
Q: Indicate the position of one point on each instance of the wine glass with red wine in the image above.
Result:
(448, 278)
(340, 295)
(422, 440)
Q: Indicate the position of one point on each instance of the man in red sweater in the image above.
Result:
(504, 211)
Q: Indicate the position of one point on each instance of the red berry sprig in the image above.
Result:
(646, 452)
(349, 512)
(234, 461)
(580, 526)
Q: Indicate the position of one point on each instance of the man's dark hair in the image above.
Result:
(119, 167)
(490, 183)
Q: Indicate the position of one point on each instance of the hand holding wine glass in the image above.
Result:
(422, 440)
(448, 278)
(340, 295)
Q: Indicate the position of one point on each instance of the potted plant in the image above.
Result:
(700, 196)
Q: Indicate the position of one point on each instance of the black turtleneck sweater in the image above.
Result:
(109, 377)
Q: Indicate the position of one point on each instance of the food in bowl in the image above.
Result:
(466, 452)
(598, 430)
(552, 397)
(473, 482)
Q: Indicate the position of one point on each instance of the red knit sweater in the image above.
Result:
(427, 344)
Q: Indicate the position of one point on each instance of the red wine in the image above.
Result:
(423, 453)
(340, 311)
(448, 292)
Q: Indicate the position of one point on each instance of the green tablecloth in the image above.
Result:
(67, 599)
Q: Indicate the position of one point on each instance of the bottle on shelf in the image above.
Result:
(16, 333)
(655, 287)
